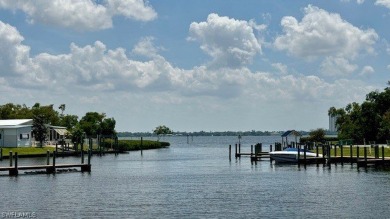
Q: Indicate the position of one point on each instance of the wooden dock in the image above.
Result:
(13, 168)
(362, 161)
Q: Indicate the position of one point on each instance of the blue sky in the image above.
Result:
(195, 65)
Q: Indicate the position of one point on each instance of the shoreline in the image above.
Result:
(125, 146)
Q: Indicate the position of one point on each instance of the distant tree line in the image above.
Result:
(90, 125)
(204, 133)
(369, 121)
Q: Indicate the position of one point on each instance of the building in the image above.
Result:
(290, 133)
(15, 132)
(18, 133)
(332, 124)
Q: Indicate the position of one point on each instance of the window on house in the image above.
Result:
(24, 136)
(0, 136)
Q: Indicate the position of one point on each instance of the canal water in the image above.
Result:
(196, 179)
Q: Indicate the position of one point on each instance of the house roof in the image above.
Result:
(16, 122)
(291, 132)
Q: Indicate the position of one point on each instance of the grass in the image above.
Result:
(347, 152)
(124, 145)
(28, 150)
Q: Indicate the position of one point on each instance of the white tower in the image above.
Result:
(332, 123)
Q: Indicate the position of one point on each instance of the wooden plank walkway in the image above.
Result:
(362, 161)
(14, 168)
(252, 154)
(36, 167)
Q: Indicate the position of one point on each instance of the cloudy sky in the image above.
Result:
(195, 65)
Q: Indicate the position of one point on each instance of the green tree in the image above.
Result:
(49, 115)
(15, 111)
(39, 129)
(162, 130)
(367, 121)
(91, 123)
(77, 135)
(384, 127)
(62, 108)
(69, 121)
(108, 126)
(317, 135)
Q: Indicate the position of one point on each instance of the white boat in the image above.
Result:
(290, 155)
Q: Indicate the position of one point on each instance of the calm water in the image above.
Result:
(197, 180)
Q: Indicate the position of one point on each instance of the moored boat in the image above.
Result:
(290, 155)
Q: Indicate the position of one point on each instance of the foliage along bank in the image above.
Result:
(369, 121)
(90, 125)
(133, 145)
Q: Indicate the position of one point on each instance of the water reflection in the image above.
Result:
(197, 180)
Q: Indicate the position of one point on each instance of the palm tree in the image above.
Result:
(62, 108)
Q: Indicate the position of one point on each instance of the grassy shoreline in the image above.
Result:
(347, 151)
(28, 150)
(133, 145)
(123, 145)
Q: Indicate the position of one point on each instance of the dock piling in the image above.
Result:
(317, 163)
(350, 154)
(16, 161)
(230, 152)
(376, 147)
(89, 157)
(87, 168)
(54, 159)
(304, 154)
(141, 145)
(357, 151)
(365, 156)
(299, 154)
(383, 153)
(14, 171)
(10, 159)
(47, 157)
(329, 148)
(63, 148)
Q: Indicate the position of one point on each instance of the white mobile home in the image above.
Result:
(15, 133)
(18, 133)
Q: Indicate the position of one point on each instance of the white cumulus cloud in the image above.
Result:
(145, 47)
(98, 70)
(322, 34)
(337, 66)
(135, 9)
(14, 56)
(280, 67)
(81, 15)
(385, 3)
(230, 42)
(367, 70)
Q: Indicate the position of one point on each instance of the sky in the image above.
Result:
(195, 65)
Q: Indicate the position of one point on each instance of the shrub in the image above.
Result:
(132, 145)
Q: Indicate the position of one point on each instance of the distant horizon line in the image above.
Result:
(209, 132)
